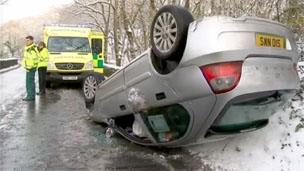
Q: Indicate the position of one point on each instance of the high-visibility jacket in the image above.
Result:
(30, 57)
(43, 58)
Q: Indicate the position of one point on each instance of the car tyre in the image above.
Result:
(89, 88)
(169, 32)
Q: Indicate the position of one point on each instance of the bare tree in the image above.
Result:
(100, 12)
(11, 47)
(126, 23)
(115, 32)
(3, 2)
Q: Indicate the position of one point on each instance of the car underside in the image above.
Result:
(202, 80)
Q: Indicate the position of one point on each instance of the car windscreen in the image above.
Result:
(68, 44)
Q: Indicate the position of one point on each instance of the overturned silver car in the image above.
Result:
(201, 80)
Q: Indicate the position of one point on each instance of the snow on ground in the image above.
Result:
(8, 59)
(278, 146)
(12, 80)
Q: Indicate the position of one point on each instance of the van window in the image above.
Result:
(68, 44)
(96, 46)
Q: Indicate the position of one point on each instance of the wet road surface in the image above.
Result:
(55, 133)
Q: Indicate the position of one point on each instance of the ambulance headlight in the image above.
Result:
(89, 65)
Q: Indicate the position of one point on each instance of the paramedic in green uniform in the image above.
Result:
(29, 62)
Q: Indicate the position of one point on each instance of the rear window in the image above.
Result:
(68, 44)
(167, 123)
(247, 115)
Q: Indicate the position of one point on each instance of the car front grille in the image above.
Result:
(69, 66)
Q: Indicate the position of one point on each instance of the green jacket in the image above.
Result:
(30, 57)
(43, 58)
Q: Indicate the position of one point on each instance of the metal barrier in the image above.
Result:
(6, 63)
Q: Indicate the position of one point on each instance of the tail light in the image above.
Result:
(222, 77)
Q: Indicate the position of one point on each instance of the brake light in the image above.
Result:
(222, 77)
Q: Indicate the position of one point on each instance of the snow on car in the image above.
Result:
(202, 80)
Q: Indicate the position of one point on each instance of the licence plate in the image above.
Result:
(266, 40)
(69, 78)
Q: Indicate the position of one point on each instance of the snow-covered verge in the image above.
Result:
(277, 147)
(9, 59)
(12, 86)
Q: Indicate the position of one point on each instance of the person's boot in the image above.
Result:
(40, 93)
(28, 99)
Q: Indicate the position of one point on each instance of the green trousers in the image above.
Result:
(30, 83)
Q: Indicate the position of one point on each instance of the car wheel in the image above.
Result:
(169, 32)
(89, 88)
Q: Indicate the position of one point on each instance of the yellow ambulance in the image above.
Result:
(75, 55)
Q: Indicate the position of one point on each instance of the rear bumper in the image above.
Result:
(249, 112)
(261, 77)
(67, 77)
